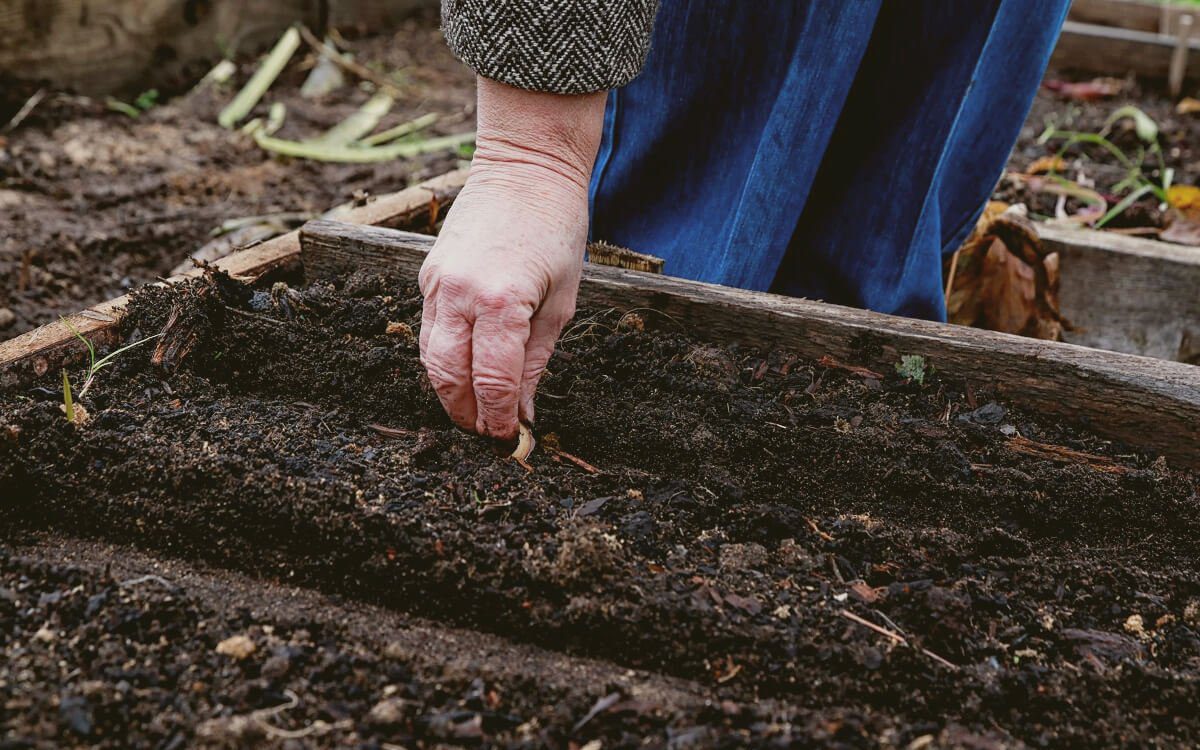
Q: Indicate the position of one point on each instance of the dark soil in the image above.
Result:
(747, 506)
(93, 203)
(1179, 139)
(132, 646)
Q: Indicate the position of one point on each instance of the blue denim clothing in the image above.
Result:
(830, 149)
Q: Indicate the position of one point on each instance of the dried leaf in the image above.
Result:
(1184, 215)
(1046, 164)
(1188, 105)
(1087, 91)
(864, 593)
(1004, 281)
(1064, 455)
(403, 330)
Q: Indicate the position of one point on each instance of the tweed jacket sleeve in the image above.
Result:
(557, 46)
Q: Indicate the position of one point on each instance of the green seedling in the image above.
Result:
(116, 105)
(1136, 184)
(94, 365)
(913, 367)
(144, 101)
(68, 402)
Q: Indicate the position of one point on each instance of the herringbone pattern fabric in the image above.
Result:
(558, 46)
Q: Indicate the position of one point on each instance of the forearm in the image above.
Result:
(544, 142)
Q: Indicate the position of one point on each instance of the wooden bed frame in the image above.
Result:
(1150, 404)
(1117, 37)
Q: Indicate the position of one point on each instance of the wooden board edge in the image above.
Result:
(1116, 51)
(1148, 403)
(55, 345)
(1092, 239)
(1137, 15)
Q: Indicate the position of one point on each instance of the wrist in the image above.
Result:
(531, 136)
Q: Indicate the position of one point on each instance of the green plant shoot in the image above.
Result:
(913, 367)
(68, 402)
(95, 365)
(1136, 183)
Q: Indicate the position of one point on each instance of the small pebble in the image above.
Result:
(237, 646)
(387, 712)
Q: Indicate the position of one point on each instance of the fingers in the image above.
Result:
(543, 335)
(498, 361)
(446, 355)
(428, 320)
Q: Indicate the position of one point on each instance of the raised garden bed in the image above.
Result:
(1121, 288)
(888, 561)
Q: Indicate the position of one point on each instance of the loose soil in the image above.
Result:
(93, 203)
(732, 520)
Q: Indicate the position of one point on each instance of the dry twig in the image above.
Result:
(24, 111)
(560, 453)
(1063, 454)
(391, 432)
(347, 64)
(836, 364)
(896, 637)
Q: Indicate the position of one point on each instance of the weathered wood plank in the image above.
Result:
(53, 345)
(122, 45)
(1137, 15)
(1113, 51)
(1128, 294)
(1148, 403)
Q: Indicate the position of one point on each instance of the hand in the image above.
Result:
(501, 280)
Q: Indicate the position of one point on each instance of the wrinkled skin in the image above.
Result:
(502, 279)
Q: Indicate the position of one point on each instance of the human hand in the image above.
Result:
(501, 281)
